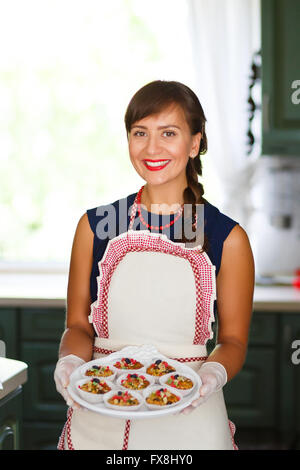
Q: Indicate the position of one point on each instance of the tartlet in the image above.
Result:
(159, 368)
(92, 390)
(180, 382)
(135, 381)
(159, 397)
(123, 400)
(99, 371)
(127, 363)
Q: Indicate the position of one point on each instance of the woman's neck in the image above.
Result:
(161, 200)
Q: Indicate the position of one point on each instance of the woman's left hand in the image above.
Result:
(213, 377)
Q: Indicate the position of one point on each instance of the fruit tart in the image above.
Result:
(159, 397)
(180, 382)
(99, 371)
(92, 390)
(134, 381)
(123, 400)
(159, 368)
(127, 363)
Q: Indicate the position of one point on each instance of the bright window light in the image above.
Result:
(67, 72)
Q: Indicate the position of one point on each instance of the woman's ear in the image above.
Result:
(196, 144)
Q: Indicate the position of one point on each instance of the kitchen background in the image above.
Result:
(67, 72)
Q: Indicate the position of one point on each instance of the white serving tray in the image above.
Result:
(145, 354)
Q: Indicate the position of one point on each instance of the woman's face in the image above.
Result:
(160, 146)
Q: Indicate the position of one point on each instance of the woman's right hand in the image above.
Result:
(64, 368)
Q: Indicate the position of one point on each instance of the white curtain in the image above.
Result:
(225, 34)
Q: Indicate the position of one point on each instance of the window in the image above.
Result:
(67, 72)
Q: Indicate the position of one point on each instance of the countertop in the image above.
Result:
(49, 290)
(12, 374)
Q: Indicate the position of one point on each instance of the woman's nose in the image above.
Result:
(153, 145)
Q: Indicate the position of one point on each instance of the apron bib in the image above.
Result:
(153, 291)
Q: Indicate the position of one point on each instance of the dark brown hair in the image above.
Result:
(152, 99)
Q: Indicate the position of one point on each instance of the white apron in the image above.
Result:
(153, 291)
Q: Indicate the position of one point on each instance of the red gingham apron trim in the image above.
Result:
(180, 359)
(126, 434)
(189, 359)
(102, 351)
(202, 268)
(232, 432)
(69, 439)
(143, 242)
(66, 430)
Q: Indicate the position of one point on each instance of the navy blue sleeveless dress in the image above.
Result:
(108, 221)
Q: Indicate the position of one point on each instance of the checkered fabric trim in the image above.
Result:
(179, 359)
(189, 359)
(232, 432)
(126, 434)
(66, 431)
(136, 241)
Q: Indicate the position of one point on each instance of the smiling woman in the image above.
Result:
(163, 141)
(65, 77)
(165, 120)
(141, 286)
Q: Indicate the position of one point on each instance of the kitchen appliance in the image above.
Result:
(274, 228)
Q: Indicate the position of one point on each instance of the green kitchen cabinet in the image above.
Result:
(9, 331)
(44, 408)
(265, 394)
(289, 359)
(280, 39)
(250, 395)
(42, 324)
(32, 335)
(41, 400)
(42, 435)
(10, 420)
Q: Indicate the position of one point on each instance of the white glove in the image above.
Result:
(64, 368)
(213, 376)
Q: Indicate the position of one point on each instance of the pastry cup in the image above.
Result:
(183, 392)
(150, 379)
(135, 394)
(157, 377)
(149, 390)
(86, 367)
(128, 371)
(92, 397)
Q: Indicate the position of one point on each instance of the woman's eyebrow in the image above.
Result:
(160, 127)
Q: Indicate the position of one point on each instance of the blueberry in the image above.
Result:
(158, 361)
(119, 393)
(127, 360)
(161, 389)
(96, 380)
(96, 367)
(176, 376)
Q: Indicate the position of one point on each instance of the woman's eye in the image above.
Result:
(139, 133)
(169, 133)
